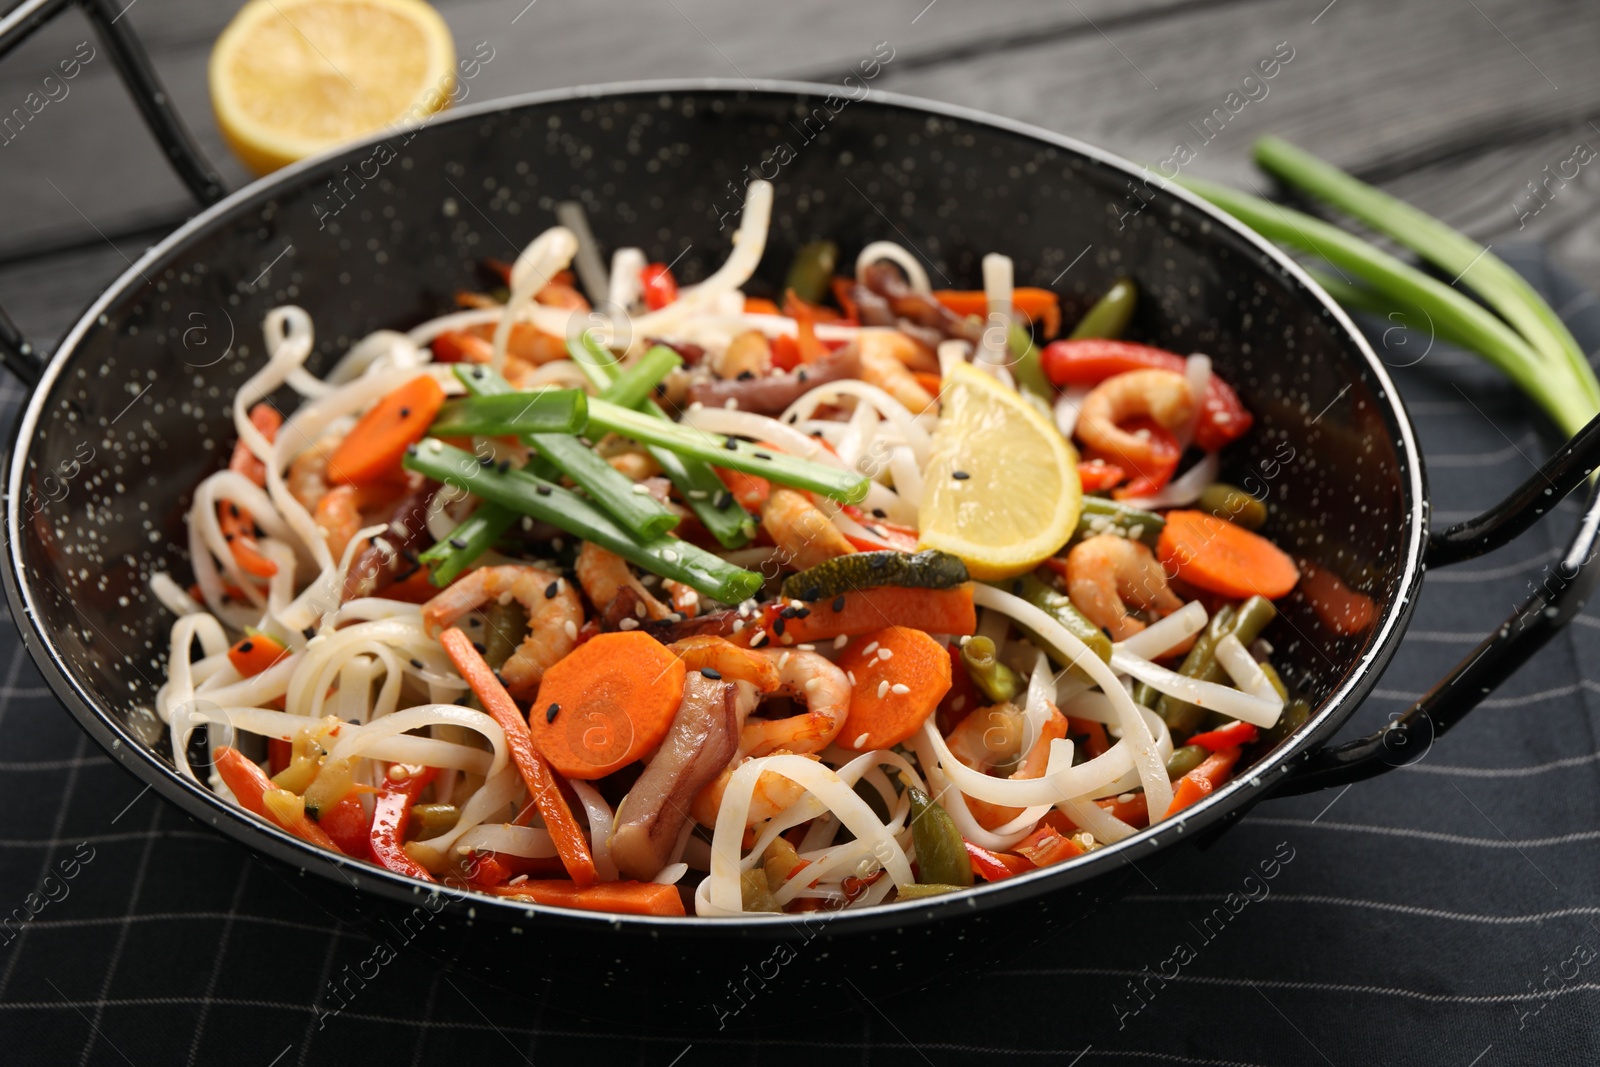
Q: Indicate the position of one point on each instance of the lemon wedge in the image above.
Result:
(1001, 487)
(290, 78)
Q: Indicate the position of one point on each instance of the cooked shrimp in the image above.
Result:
(308, 473)
(993, 737)
(750, 353)
(801, 530)
(1162, 395)
(604, 575)
(634, 466)
(884, 358)
(554, 615)
(1105, 573)
(824, 688)
(338, 517)
(773, 794)
(735, 664)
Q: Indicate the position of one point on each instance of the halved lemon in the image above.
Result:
(290, 78)
(1001, 488)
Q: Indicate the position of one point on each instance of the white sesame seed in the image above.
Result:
(900, 687)
(788, 639)
(806, 648)
(851, 675)
(628, 624)
(812, 683)
(958, 703)
(885, 653)
(527, 522)
(883, 688)
(738, 625)
(1125, 798)
(571, 628)
(518, 880)
(783, 661)
(731, 404)
(861, 742)
(669, 555)
(641, 488)
(797, 604)
(759, 639)
(639, 609)
(870, 649)
(841, 641)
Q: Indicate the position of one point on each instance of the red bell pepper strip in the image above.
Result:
(785, 352)
(1098, 475)
(1200, 782)
(458, 346)
(996, 866)
(390, 816)
(623, 898)
(541, 783)
(251, 786)
(348, 823)
(1051, 843)
(1223, 417)
(660, 287)
(1235, 733)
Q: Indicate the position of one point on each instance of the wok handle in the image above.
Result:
(133, 64)
(1502, 653)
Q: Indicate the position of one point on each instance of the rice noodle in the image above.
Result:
(887, 406)
(1169, 632)
(997, 289)
(915, 275)
(1247, 673)
(1066, 409)
(1203, 694)
(601, 819)
(1183, 490)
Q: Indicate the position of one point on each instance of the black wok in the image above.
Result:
(131, 412)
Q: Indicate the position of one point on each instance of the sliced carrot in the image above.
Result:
(251, 786)
(239, 530)
(255, 652)
(1214, 554)
(1200, 782)
(1235, 733)
(265, 418)
(373, 449)
(898, 684)
(614, 696)
(750, 490)
(1035, 304)
(760, 305)
(542, 787)
(936, 611)
(1095, 741)
(1340, 608)
(621, 898)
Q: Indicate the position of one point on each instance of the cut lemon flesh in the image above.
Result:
(1001, 487)
(290, 78)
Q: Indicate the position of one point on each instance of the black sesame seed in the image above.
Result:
(838, 602)
(309, 632)
(801, 613)
(724, 498)
(879, 513)
(551, 590)
(731, 445)
(405, 413)
(787, 613)
(245, 646)
(746, 375)
(480, 646)
(457, 543)
(505, 465)
(777, 626)
(960, 476)
(417, 663)
(714, 675)
(794, 418)
(233, 509)
(500, 678)
(542, 490)
(227, 537)
(661, 389)
(258, 531)
(763, 455)
(551, 712)
(800, 375)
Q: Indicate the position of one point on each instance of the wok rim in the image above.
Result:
(1229, 802)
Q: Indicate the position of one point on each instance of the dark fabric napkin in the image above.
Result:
(1443, 914)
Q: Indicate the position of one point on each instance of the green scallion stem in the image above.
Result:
(528, 495)
(845, 486)
(1026, 367)
(467, 542)
(635, 384)
(639, 513)
(546, 411)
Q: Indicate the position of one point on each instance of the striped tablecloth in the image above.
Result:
(1444, 914)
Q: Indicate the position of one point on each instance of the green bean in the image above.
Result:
(639, 513)
(530, 495)
(844, 486)
(702, 491)
(1101, 515)
(546, 411)
(1244, 622)
(998, 682)
(1234, 504)
(1026, 365)
(941, 854)
(755, 892)
(1110, 314)
(1059, 607)
(504, 625)
(1185, 759)
(633, 386)
(923, 890)
(811, 272)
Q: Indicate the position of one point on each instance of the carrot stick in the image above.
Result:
(1216, 555)
(252, 788)
(373, 448)
(936, 611)
(622, 898)
(614, 697)
(239, 530)
(569, 842)
(1199, 783)
(255, 652)
(1340, 608)
(892, 696)
(1031, 303)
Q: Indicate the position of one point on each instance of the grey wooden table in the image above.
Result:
(1476, 110)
